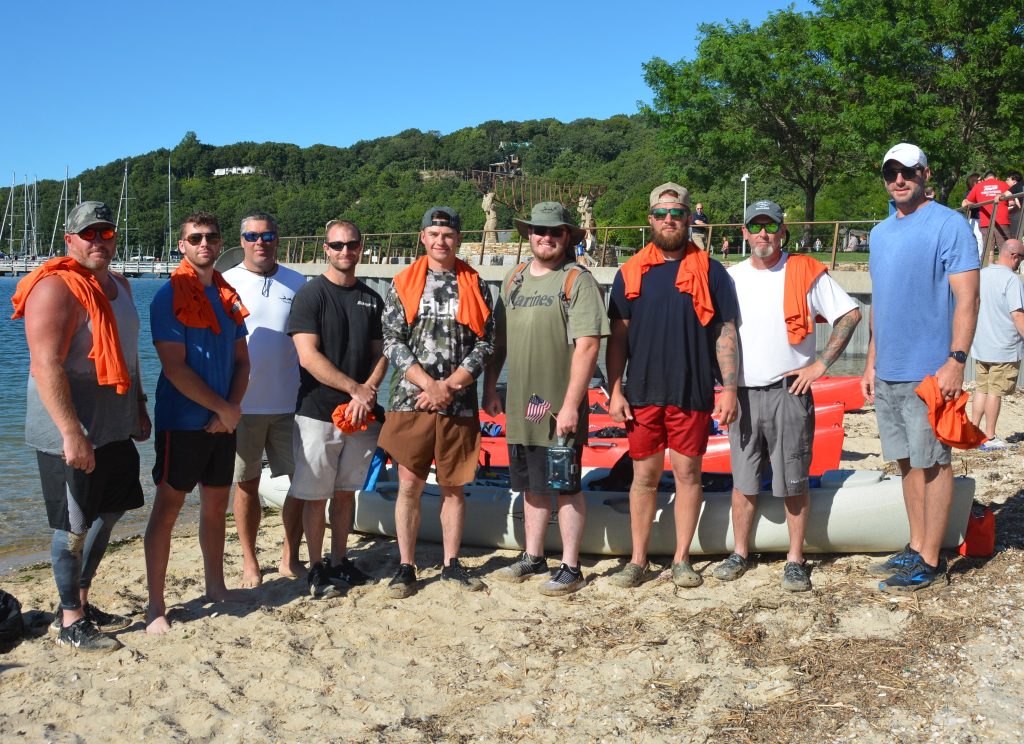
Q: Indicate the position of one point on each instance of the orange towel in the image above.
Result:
(106, 343)
(692, 277)
(949, 417)
(801, 273)
(190, 304)
(473, 311)
(346, 426)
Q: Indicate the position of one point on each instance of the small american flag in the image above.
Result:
(536, 408)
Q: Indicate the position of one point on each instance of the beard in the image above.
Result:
(671, 243)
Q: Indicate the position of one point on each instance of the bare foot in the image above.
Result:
(292, 569)
(223, 594)
(251, 578)
(157, 624)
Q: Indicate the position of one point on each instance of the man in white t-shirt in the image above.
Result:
(780, 296)
(268, 408)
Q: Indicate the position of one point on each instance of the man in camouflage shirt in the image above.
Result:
(438, 334)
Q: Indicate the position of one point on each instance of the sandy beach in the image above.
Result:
(737, 662)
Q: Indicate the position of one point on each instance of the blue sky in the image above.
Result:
(88, 83)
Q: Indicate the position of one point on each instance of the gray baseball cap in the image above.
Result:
(89, 213)
(442, 217)
(769, 209)
(550, 214)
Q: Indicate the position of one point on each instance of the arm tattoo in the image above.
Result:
(842, 332)
(727, 352)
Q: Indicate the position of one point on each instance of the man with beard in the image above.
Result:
(924, 277)
(780, 295)
(197, 322)
(673, 331)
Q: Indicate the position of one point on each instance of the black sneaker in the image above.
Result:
(526, 567)
(83, 636)
(320, 586)
(894, 562)
(565, 581)
(403, 583)
(345, 574)
(104, 621)
(455, 573)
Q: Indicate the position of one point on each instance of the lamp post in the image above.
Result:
(746, 177)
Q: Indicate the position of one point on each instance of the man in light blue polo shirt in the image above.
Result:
(924, 275)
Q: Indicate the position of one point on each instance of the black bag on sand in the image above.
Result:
(11, 625)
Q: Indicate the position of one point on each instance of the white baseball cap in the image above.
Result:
(907, 154)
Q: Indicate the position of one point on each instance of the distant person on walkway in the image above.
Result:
(438, 335)
(985, 190)
(336, 326)
(817, 245)
(698, 230)
(673, 335)
(198, 326)
(85, 404)
(997, 342)
(974, 214)
(924, 275)
(725, 247)
(779, 295)
(552, 345)
(1015, 206)
(268, 408)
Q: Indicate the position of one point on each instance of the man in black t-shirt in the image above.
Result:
(336, 327)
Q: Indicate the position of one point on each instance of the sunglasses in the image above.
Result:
(104, 233)
(660, 214)
(755, 229)
(909, 174)
(212, 238)
(554, 232)
(266, 237)
(340, 245)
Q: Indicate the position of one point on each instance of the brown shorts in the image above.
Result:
(415, 439)
(996, 378)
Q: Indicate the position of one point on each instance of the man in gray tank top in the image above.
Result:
(84, 406)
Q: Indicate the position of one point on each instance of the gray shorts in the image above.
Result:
(259, 432)
(904, 428)
(326, 460)
(776, 426)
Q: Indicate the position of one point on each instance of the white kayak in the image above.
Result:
(852, 511)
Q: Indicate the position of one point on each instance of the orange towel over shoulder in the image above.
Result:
(949, 417)
(692, 276)
(106, 343)
(801, 273)
(473, 311)
(191, 306)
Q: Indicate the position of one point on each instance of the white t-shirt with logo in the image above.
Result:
(273, 362)
(765, 352)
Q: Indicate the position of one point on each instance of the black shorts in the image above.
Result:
(528, 469)
(75, 498)
(185, 459)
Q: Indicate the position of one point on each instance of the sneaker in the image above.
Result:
(894, 562)
(104, 621)
(320, 586)
(684, 576)
(910, 578)
(795, 577)
(993, 445)
(404, 581)
(731, 568)
(565, 581)
(82, 635)
(455, 572)
(630, 576)
(345, 574)
(525, 568)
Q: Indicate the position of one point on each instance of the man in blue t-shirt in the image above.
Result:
(924, 275)
(197, 321)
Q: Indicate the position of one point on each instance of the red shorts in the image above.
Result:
(655, 428)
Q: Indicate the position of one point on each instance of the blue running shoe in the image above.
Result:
(910, 578)
(894, 562)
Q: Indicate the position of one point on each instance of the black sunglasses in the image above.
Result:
(340, 245)
(554, 232)
(266, 237)
(212, 238)
(909, 174)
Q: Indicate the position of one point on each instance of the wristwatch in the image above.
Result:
(960, 356)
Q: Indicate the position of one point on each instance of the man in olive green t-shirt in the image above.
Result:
(552, 351)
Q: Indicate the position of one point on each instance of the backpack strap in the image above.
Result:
(515, 279)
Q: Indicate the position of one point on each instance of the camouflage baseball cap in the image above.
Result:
(89, 213)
